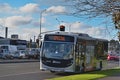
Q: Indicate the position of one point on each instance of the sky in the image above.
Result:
(23, 17)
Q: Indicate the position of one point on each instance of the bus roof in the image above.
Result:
(79, 35)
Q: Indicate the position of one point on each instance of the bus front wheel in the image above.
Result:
(52, 71)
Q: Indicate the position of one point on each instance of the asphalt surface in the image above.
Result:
(110, 65)
(23, 71)
(31, 71)
(2, 61)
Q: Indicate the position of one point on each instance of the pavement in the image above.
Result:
(18, 61)
(113, 77)
(24, 71)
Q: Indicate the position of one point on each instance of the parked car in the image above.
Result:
(20, 54)
(30, 54)
(113, 57)
(33, 53)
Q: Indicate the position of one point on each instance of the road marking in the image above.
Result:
(19, 74)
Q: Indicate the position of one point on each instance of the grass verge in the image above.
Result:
(90, 75)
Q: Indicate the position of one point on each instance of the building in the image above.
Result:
(21, 44)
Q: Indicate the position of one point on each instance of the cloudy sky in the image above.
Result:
(22, 17)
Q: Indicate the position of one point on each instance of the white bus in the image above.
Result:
(72, 52)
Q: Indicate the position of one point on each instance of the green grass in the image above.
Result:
(90, 75)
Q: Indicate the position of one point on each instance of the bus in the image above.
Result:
(72, 52)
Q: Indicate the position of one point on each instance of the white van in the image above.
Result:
(7, 51)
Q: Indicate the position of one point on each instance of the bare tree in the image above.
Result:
(95, 8)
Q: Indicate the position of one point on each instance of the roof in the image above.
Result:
(79, 35)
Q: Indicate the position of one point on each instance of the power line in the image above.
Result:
(109, 30)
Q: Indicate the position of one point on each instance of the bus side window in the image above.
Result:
(76, 48)
(2, 51)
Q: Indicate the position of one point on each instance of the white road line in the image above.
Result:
(19, 74)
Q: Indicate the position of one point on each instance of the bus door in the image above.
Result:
(80, 58)
(89, 57)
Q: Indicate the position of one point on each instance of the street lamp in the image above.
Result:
(41, 13)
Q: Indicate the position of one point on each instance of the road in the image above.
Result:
(23, 71)
(110, 64)
(30, 71)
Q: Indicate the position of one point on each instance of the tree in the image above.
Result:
(116, 19)
(95, 8)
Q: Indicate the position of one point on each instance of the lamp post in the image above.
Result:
(41, 13)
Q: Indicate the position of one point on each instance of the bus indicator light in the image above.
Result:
(62, 28)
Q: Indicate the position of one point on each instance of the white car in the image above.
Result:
(20, 54)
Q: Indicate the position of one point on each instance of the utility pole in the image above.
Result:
(119, 44)
(39, 36)
(34, 38)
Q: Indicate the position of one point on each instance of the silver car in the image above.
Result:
(20, 54)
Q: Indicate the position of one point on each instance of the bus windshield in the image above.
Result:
(57, 50)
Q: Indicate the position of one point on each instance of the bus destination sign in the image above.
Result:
(59, 38)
